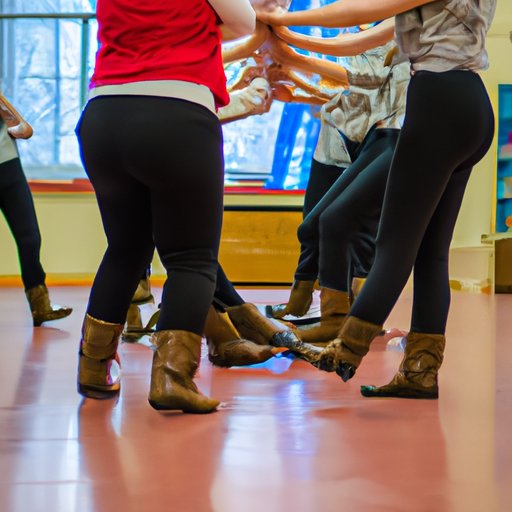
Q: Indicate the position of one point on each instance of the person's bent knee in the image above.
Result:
(307, 232)
(201, 261)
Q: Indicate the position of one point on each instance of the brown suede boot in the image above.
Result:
(334, 306)
(142, 315)
(98, 363)
(175, 363)
(301, 296)
(143, 293)
(253, 325)
(417, 374)
(226, 347)
(344, 354)
(41, 307)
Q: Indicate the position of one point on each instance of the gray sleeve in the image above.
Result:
(8, 149)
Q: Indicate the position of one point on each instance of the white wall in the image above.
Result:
(477, 213)
(73, 240)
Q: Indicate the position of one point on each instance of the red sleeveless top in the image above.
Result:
(159, 40)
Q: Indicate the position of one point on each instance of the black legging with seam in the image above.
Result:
(156, 165)
(338, 235)
(449, 126)
(321, 179)
(17, 206)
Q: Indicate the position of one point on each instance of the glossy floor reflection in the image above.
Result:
(287, 438)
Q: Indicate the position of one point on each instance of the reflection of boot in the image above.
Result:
(417, 374)
(334, 306)
(175, 363)
(344, 354)
(98, 363)
(301, 296)
(41, 307)
(226, 346)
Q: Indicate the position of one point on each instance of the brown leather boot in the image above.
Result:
(226, 347)
(175, 363)
(143, 293)
(42, 309)
(253, 325)
(98, 363)
(301, 296)
(334, 306)
(142, 315)
(417, 375)
(344, 354)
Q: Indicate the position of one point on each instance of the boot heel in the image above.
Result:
(99, 379)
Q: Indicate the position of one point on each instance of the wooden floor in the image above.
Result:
(287, 438)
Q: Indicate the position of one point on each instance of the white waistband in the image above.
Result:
(188, 91)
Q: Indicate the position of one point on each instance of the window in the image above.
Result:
(46, 60)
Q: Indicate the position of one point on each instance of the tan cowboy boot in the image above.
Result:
(98, 363)
(175, 363)
(344, 354)
(226, 347)
(41, 307)
(301, 296)
(334, 306)
(417, 374)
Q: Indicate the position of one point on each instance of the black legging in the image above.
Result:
(321, 179)
(17, 206)
(449, 126)
(337, 236)
(156, 165)
(225, 293)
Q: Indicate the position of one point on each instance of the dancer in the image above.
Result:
(17, 206)
(149, 135)
(342, 206)
(448, 128)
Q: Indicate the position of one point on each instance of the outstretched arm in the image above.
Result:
(342, 45)
(16, 125)
(238, 18)
(343, 13)
(245, 48)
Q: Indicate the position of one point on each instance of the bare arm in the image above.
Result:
(344, 44)
(238, 17)
(343, 13)
(16, 125)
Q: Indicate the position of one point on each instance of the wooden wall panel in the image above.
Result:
(260, 246)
